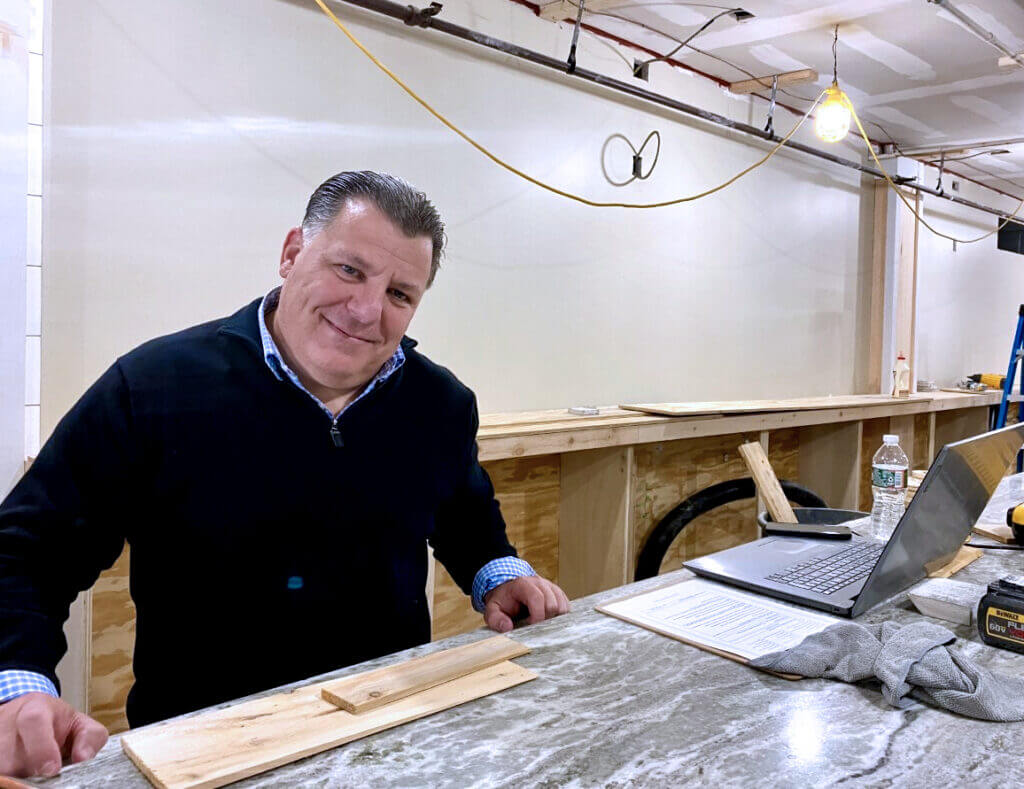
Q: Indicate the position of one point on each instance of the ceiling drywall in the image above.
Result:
(908, 65)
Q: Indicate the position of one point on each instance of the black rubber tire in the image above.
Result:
(649, 561)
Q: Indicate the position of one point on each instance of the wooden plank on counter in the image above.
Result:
(497, 443)
(372, 689)
(762, 406)
(223, 746)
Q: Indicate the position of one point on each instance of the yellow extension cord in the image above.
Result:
(597, 204)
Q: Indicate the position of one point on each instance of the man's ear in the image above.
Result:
(291, 249)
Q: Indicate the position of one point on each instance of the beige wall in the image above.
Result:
(184, 145)
(968, 297)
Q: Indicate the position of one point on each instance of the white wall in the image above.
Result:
(968, 298)
(184, 145)
(14, 17)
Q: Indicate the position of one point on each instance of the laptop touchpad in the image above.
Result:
(791, 545)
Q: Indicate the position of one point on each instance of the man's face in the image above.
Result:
(348, 295)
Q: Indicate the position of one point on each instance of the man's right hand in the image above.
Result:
(38, 733)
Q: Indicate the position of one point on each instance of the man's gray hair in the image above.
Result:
(401, 202)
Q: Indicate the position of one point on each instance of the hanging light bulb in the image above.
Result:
(832, 121)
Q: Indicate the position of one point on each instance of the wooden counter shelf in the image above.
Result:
(580, 494)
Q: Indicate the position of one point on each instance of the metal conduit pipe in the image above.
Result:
(978, 30)
(415, 17)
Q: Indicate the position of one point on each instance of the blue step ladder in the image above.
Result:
(1016, 352)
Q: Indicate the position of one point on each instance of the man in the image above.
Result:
(277, 474)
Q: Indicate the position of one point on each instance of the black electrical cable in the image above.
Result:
(690, 45)
(637, 152)
(700, 30)
(835, 56)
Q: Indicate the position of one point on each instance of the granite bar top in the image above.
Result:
(619, 706)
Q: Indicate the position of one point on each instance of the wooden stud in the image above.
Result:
(876, 381)
(767, 483)
(372, 689)
(786, 79)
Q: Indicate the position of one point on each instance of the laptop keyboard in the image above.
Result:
(829, 573)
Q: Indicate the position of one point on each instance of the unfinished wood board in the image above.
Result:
(529, 494)
(830, 462)
(952, 426)
(904, 316)
(767, 482)
(217, 748)
(963, 558)
(372, 689)
(726, 407)
(789, 78)
(922, 441)
(999, 532)
(594, 547)
(608, 413)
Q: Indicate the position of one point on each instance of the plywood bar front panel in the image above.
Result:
(829, 462)
(952, 426)
(529, 492)
(594, 547)
(669, 473)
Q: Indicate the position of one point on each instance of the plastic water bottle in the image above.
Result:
(888, 486)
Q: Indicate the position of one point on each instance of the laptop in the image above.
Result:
(849, 577)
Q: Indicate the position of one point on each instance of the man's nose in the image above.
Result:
(367, 304)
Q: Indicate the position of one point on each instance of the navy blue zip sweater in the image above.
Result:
(261, 552)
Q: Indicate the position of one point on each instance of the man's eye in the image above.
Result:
(347, 269)
(399, 295)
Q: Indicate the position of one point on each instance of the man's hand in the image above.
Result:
(39, 732)
(509, 601)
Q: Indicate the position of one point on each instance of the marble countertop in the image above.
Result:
(619, 706)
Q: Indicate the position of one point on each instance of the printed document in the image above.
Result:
(710, 614)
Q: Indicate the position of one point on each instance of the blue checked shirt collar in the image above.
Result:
(279, 367)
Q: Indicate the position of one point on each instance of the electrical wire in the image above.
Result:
(610, 46)
(689, 44)
(692, 36)
(536, 182)
(892, 140)
(636, 154)
(689, 198)
(899, 192)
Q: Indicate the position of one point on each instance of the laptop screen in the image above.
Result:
(949, 502)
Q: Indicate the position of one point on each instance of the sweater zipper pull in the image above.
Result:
(336, 435)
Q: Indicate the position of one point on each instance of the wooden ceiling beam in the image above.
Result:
(566, 9)
(760, 83)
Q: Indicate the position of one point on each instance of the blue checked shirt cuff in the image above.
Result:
(495, 573)
(14, 683)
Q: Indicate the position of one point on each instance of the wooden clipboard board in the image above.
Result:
(675, 637)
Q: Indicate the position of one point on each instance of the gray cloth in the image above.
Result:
(914, 660)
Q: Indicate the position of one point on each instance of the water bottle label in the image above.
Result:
(888, 478)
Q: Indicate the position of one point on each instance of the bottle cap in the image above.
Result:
(890, 439)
